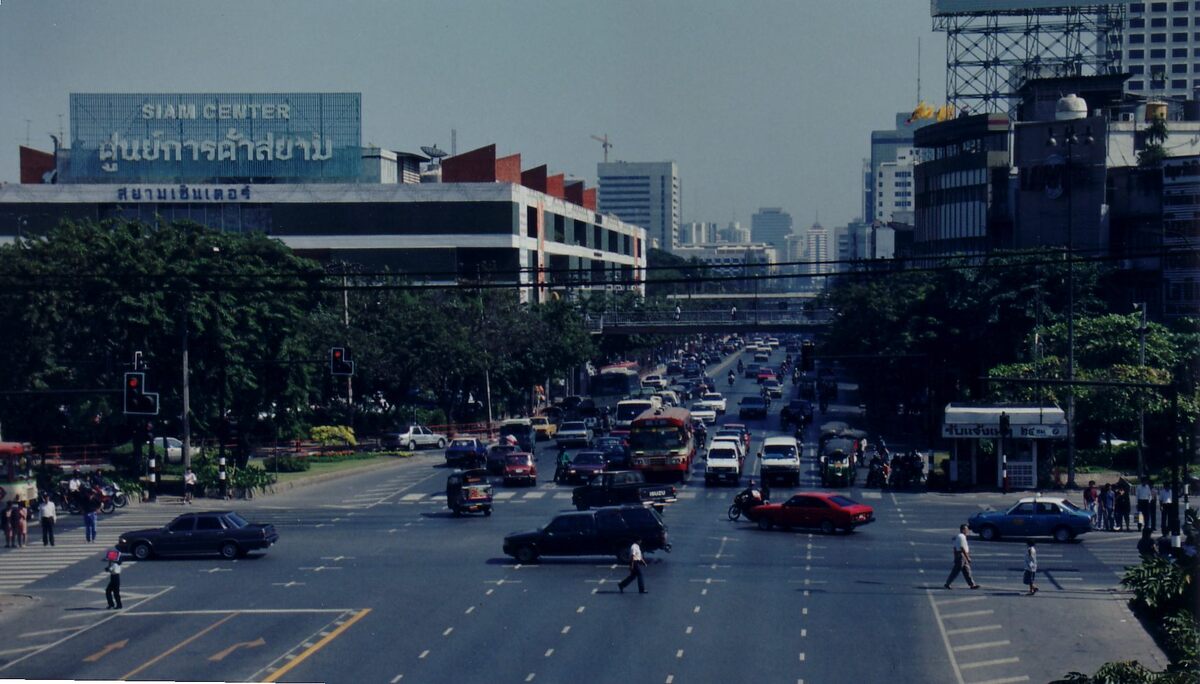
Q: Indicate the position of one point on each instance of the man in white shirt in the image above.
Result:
(1143, 505)
(1166, 502)
(962, 559)
(46, 513)
(635, 568)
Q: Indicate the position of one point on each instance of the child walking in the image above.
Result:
(1031, 566)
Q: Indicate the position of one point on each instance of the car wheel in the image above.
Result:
(764, 523)
(1063, 534)
(412, 446)
(989, 533)
(229, 550)
(441, 444)
(827, 527)
(142, 551)
(526, 554)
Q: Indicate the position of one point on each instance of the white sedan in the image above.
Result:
(704, 413)
(713, 400)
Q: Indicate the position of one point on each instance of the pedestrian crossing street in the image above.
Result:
(21, 567)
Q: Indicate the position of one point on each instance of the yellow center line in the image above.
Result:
(179, 645)
(274, 676)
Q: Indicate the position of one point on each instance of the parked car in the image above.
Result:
(1033, 516)
(211, 532)
(520, 466)
(602, 532)
(574, 432)
(820, 510)
(466, 452)
(585, 466)
(753, 407)
(414, 437)
(543, 428)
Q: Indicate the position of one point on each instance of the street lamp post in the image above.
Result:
(1141, 307)
(1070, 140)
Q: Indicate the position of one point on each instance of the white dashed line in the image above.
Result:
(447, 632)
(530, 677)
(397, 678)
(990, 663)
(470, 610)
(423, 654)
(549, 652)
(972, 630)
(565, 629)
(688, 630)
(985, 644)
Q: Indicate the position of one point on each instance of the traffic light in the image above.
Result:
(339, 361)
(807, 362)
(139, 402)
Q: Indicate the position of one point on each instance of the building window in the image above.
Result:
(1137, 69)
(1179, 37)
(1196, 67)
(1161, 22)
(1158, 7)
(1179, 68)
(1158, 37)
(1177, 53)
(1135, 85)
(1179, 21)
(1137, 39)
(1179, 83)
(1158, 53)
(1140, 6)
(531, 227)
(1137, 54)
(1137, 23)
(1180, 6)
(1196, 52)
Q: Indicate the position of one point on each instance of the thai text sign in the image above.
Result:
(992, 431)
(214, 137)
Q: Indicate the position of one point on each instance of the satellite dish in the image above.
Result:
(433, 152)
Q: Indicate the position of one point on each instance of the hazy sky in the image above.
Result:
(761, 103)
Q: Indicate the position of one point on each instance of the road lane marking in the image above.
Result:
(990, 663)
(44, 632)
(565, 629)
(302, 656)
(580, 609)
(670, 678)
(549, 652)
(972, 630)
(470, 610)
(114, 646)
(448, 631)
(534, 495)
(1004, 680)
(423, 654)
(396, 678)
(679, 654)
(530, 677)
(969, 613)
(223, 654)
(942, 628)
(217, 611)
(412, 497)
(688, 630)
(178, 646)
(502, 496)
(801, 656)
(985, 644)
(967, 599)
(696, 609)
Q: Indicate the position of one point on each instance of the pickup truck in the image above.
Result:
(621, 487)
(723, 464)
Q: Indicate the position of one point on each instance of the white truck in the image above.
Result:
(780, 458)
(723, 464)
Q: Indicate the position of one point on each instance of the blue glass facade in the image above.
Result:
(214, 137)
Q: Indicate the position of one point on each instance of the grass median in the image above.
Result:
(317, 468)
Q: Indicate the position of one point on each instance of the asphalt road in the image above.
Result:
(374, 581)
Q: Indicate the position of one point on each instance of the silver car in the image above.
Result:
(414, 437)
(574, 432)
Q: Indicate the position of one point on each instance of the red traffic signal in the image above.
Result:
(339, 362)
(138, 402)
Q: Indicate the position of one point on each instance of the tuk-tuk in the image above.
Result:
(16, 484)
(837, 463)
(830, 430)
(468, 491)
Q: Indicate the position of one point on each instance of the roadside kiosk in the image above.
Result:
(1032, 431)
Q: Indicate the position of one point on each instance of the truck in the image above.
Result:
(619, 487)
(780, 460)
(723, 464)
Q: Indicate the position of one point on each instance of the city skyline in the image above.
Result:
(783, 132)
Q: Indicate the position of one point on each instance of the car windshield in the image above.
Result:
(235, 521)
(729, 433)
(572, 427)
(539, 421)
(701, 407)
(779, 451)
(842, 501)
(588, 458)
(1070, 505)
(515, 430)
(711, 396)
(752, 401)
(722, 452)
(517, 459)
(505, 449)
(631, 411)
(463, 443)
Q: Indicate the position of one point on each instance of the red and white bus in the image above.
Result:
(661, 441)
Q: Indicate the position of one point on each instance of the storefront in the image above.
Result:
(979, 448)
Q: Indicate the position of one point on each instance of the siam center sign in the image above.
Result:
(222, 137)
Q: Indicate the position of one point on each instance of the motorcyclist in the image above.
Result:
(561, 463)
(732, 378)
(751, 496)
(741, 366)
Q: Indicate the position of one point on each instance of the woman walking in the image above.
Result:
(22, 519)
(1031, 566)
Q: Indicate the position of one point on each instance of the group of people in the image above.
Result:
(962, 563)
(1111, 507)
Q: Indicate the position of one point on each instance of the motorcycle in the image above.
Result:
(731, 379)
(119, 499)
(743, 502)
(877, 476)
(107, 504)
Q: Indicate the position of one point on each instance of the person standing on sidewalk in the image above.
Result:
(1122, 506)
(962, 559)
(9, 529)
(189, 485)
(636, 561)
(112, 593)
(1166, 501)
(1090, 496)
(91, 504)
(46, 514)
(1031, 566)
(1143, 503)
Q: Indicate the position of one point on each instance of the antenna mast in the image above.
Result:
(918, 70)
(603, 140)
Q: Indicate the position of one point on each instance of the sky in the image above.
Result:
(759, 102)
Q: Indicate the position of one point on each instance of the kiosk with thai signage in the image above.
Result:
(1017, 450)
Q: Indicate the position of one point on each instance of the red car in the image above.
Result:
(520, 467)
(765, 374)
(824, 510)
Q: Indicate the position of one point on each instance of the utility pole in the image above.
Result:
(1141, 306)
(187, 407)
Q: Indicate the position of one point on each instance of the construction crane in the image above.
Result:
(603, 140)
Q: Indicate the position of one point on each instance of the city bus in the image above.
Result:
(661, 442)
(614, 383)
(629, 409)
(16, 484)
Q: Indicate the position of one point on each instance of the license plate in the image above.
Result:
(658, 492)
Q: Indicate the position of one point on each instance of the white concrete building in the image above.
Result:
(1162, 48)
(646, 194)
(894, 189)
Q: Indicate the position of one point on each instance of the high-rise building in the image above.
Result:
(646, 194)
(887, 146)
(697, 233)
(817, 252)
(771, 225)
(734, 233)
(894, 189)
(1162, 48)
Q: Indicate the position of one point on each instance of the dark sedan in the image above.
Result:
(615, 451)
(191, 534)
(585, 466)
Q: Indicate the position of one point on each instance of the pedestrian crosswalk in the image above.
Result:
(500, 497)
(21, 567)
